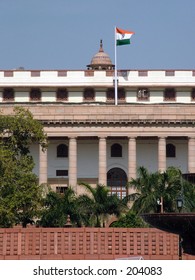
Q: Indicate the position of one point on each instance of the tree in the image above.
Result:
(99, 204)
(130, 220)
(151, 187)
(58, 207)
(20, 195)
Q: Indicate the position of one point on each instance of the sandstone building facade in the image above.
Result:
(91, 139)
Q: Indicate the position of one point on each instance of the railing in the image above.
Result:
(87, 243)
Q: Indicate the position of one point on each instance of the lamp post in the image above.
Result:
(180, 203)
(160, 203)
(179, 207)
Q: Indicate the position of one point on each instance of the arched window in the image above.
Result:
(170, 150)
(117, 182)
(116, 150)
(62, 150)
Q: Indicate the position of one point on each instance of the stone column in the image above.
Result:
(102, 179)
(42, 165)
(132, 162)
(191, 154)
(162, 154)
(72, 170)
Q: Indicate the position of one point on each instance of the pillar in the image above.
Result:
(102, 179)
(42, 165)
(191, 154)
(72, 171)
(162, 154)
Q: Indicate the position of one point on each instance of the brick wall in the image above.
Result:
(87, 243)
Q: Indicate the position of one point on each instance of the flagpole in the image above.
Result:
(115, 71)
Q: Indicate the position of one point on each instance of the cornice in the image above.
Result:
(122, 122)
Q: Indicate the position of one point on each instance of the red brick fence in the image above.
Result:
(87, 243)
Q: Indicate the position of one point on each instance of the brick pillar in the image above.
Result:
(72, 171)
(162, 154)
(42, 165)
(191, 154)
(102, 179)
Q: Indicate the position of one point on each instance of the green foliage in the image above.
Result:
(20, 196)
(99, 204)
(20, 130)
(130, 220)
(169, 185)
(58, 207)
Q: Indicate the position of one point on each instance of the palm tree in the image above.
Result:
(145, 186)
(58, 207)
(99, 204)
(165, 187)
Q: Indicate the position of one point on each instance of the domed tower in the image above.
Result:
(101, 60)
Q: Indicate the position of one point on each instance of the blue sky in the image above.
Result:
(65, 34)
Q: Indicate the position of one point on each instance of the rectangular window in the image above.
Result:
(193, 95)
(61, 172)
(110, 95)
(89, 94)
(120, 191)
(61, 95)
(169, 94)
(61, 189)
(8, 95)
(35, 95)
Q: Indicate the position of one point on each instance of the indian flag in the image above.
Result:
(123, 37)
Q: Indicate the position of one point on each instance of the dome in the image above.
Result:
(101, 60)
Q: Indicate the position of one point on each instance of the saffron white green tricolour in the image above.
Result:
(123, 37)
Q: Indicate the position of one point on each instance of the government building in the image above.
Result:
(91, 139)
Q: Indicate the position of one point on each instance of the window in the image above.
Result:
(8, 95)
(89, 94)
(170, 150)
(35, 94)
(62, 150)
(61, 189)
(143, 94)
(121, 94)
(169, 94)
(117, 182)
(193, 94)
(62, 173)
(62, 94)
(111, 94)
(116, 150)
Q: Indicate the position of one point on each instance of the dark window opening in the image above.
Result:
(61, 172)
(117, 182)
(8, 94)
(170, 150)
(169, 94)
(116, 150)
(35, 94)
(62, 150)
